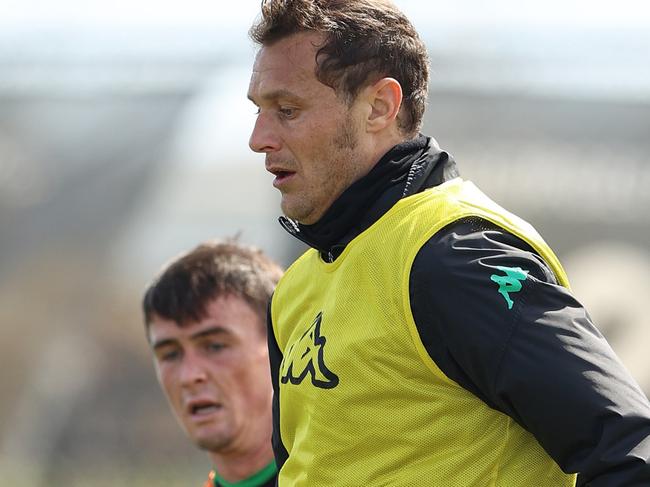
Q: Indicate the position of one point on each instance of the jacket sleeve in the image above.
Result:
(275, 359)
(492, 316)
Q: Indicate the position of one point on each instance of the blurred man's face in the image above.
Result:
(309, 135)
(215, 374)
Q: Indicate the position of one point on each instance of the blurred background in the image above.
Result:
(123, 141)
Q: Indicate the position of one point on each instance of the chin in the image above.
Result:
(301, 217)
(213, 443)
(296, 212)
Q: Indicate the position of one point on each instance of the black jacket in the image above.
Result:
(543, 363)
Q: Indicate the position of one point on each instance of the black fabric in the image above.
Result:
(543, 362)
(474, 240)
(275, 359)
(406, 166)
(392, 168)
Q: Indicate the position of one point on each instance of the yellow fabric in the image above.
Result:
(384, 413)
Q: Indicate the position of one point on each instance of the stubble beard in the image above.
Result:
(343, 151)
(346, 138)
(347, 157)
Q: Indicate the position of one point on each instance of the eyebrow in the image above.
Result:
(215, 330)
(277, 94)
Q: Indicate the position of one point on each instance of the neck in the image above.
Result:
(349, 214)
(379, 145)
(236, 466)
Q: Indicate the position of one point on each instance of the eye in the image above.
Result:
(169, 355)
(287, 112)
(215, 346)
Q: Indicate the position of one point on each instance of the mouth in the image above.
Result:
(281, 176)
(202, 408)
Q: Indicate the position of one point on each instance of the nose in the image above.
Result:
(192, 371)
(263, 139)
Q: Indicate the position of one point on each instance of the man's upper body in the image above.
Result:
(429, 331)
(480, 316)
(205, 321)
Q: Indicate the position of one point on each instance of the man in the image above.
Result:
(206, 323)
(429, 337)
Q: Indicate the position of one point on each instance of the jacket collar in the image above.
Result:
(406, 169)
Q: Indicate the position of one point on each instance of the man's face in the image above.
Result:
(309, 135)
(215, 374)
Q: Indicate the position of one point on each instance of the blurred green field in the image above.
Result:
(169, 476)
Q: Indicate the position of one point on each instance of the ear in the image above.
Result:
(385, 99)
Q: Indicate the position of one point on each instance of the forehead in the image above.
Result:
(230, 314)
(288, 64)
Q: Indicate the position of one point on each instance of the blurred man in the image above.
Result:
(206, 323)
(429, 337)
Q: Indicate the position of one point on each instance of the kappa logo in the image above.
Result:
(510, 283)
(306, 357)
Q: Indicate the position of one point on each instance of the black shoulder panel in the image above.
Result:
(492, 316)
(275, 359)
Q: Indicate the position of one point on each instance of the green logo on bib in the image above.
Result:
(510, 283)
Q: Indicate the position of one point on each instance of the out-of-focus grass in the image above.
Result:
(169, 476)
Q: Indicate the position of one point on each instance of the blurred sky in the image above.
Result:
(230, 15)
(27, 22)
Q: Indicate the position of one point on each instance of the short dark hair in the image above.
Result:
(365, 40)
(185, 286)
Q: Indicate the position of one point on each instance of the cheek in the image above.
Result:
(166, 378)
(254, 380)
(313, 141)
